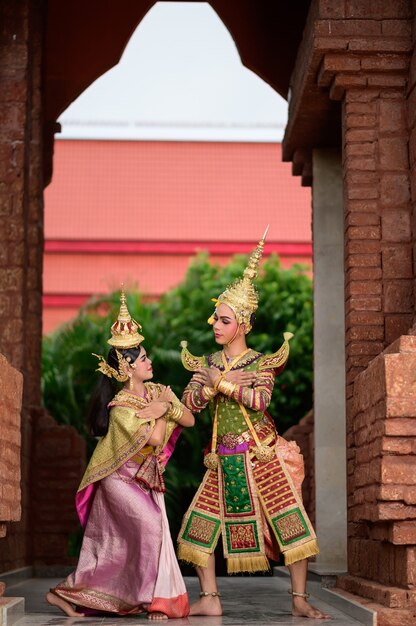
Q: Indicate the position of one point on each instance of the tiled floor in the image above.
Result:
(247, 601)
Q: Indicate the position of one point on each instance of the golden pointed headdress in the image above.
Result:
(241, 296)
(125, 330)
(124, 335)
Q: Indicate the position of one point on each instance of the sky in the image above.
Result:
(180, 78)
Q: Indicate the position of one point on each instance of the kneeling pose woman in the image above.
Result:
(127, 563)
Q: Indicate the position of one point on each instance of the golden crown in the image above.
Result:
(241, 296)
(125, 330)
(124, 334)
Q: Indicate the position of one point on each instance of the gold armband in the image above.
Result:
(218, 381)
(175, 412)
(225, 387)
(208, 392)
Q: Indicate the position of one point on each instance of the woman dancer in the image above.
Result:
(127, 563)
(251, 492)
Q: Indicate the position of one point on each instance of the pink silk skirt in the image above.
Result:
(127, 563)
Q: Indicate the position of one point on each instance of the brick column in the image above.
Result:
(21, 229)
(411, 123)
(369, 74)
(21, 188)
(358, 54)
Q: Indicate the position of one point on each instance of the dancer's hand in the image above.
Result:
(166, 395)
(154, 410)
(240, 377)
(207, 376)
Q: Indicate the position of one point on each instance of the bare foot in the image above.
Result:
(62, 604)
(157, 615)
(206, 605)
(302, 608)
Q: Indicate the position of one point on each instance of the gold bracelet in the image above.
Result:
(175, 412)
(219, 380)
(226, 387)
(208, 392)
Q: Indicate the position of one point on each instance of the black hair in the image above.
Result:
(98, 412)
(252, 321)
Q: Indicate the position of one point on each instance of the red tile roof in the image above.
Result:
(136, 212)
(175, 191)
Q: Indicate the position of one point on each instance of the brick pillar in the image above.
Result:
(21, 228)
(21, 189)
(367, 70)
(359, 54)
(411, 123)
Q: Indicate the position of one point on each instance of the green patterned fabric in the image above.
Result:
(236, 491)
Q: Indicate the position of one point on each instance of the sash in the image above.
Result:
(284, 510)
(241, 525)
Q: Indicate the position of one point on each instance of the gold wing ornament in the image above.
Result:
(189, 361)
(277, 359)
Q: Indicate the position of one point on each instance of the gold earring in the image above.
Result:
(131, 382)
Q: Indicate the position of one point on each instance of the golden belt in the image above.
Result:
(263, 427)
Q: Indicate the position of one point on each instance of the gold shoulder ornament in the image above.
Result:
(189, 361)
(278, 358)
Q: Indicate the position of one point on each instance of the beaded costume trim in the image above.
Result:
(131, 401)
(215, 359)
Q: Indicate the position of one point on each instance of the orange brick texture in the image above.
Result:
(382, 482)
(21, 221)
(361, 55)
(11, 384)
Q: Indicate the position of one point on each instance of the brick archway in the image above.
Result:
(352, 87)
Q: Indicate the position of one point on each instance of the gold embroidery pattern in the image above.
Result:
(126, 399)
(291, 527)
(189, 361)
(278, 358)
(204, 506)
(233, 528)
(95, 600)
(202, 530)
(208, 499)
(242, 537)
(215, 359)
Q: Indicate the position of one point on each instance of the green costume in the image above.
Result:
(251, 491)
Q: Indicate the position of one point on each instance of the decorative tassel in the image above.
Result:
(192, 555)
(301, 552)
(239, 564)
(211, 460)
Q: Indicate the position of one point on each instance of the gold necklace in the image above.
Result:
(238, 356)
